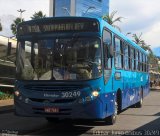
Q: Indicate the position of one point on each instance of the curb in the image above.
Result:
(158, 88)
(6, 106)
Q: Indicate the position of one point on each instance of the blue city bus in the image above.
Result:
(77, 68)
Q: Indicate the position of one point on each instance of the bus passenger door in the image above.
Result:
(118, 77)
(108, 86)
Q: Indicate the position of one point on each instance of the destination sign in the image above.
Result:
(60, 26)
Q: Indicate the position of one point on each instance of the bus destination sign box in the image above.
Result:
(85, 26)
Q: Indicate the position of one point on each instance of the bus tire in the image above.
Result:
(52, 120)
(140, 103)
(111, 120)
(119, 101)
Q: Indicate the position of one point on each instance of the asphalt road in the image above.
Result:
(132, 121)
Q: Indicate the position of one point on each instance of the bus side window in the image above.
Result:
(144, 63)
(140, 61)
(107, 42)
(132, 58)
(129, 56)
(118, 53)
(126, 58)
(136, 53)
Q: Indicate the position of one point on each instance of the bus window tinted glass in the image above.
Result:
(132, 58)
(59, 59)
(118, 52)
(126, 59)
(107, 41)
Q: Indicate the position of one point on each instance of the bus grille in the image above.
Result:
(58, 101)
(44, 87)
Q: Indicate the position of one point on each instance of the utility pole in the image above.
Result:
(21, 11)
(89, 8)
(0, 26)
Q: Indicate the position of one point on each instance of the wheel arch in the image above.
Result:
(119, 99)
(141, 91)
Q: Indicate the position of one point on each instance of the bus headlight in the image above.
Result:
(95, 93)
(17, 93)
(89, 96)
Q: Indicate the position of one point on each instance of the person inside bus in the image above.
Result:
(96, 64)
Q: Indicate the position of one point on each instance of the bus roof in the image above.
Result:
(56, 18)
(122, 36)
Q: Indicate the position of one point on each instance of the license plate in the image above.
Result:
(51, 110)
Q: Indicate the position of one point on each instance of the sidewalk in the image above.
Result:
(6, 105)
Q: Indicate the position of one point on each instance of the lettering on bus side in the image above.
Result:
(34, 28)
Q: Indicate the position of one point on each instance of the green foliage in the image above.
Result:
(159, 68)
(112, 20)
(138, 40)
(38, 15)
(15, 24)
(6, 93)
(151, 57)
(5, 96)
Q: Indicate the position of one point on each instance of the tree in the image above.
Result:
(0, 26)
(15, 24)
(147, 48)
(112, 20)
(138, 40)
(38, 15)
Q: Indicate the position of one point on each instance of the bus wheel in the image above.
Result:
(111, 120)
(52, 120)
(139, 104)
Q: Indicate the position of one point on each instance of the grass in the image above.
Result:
(5, 96)
(6, 93)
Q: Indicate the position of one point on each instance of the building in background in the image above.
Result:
(7, 60)
(79, 7)
(155, 71)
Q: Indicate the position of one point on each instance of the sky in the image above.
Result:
(31, 6)
(140, 16)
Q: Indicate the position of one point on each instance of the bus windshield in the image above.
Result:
(59, 59)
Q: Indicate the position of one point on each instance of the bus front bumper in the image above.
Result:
(88, 110)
